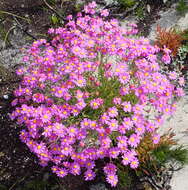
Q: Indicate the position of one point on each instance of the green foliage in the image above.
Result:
(156, 160)
(124, 178)
(165, 153)
(2, 32)
(127, 3)
(2, 187)
(182, 7)
(54, 19)
(79, 6)
(180, 59)
(140, 12)
(52, 2)
(185, 35)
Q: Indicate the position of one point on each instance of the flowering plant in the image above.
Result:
(89, 95)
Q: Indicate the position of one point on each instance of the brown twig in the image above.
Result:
(24, 30)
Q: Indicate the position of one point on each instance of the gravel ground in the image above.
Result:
(179, 124)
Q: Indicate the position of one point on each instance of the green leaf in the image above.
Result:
(54, 19)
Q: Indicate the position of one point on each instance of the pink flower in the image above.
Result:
(166, 59)
(112, 179)
(46, 116)
(81, 82)
(75, 168)
(124, 78)
(127, 106)
(117, 101)
(126, 159)
(38, 97)
(172, 75)
(122, 141)
(104, 12)
(24, 136)
(127, 123)
(134, 140)
(59, 129)
(134, 163)
(85, 123)
(79, 94)
(92, 5)
(124, 91)
(66, 150)
(93, 125)
(166, 50)
(138, 109)
(81, 134)
(156, 138)
(61, 172)
(104, 118)
(14, 102)
(51, 31)
(181, 81)
(150, 126)
(89, 175)
(20, 71)
(82, 53)
(72, 131)
(113, 124)
(140, 129)
(40, 148)
(101, 153)
(105, 142)
(96, 103)
(114, 152)
(110, 168)
(180, 92)
(80, 105)
(90, 153)
(59, 92)
(112, 112)
(69, 17)
(90, 164)
(75, 111)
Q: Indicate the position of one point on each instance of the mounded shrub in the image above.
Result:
(93, 92)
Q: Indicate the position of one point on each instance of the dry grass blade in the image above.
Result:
(169, 38)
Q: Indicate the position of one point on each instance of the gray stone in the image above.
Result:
(5, 96)
(110, 2)
(12, 56)
(98, 186)
(169, 19)
(179, 180)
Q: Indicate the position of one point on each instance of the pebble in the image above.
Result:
(5, 96)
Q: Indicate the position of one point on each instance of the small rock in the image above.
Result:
(98, 186)
(5, 96)
(110, 2)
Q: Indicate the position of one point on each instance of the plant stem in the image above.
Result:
(12, 14)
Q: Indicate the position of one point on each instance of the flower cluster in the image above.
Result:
(89, 95)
